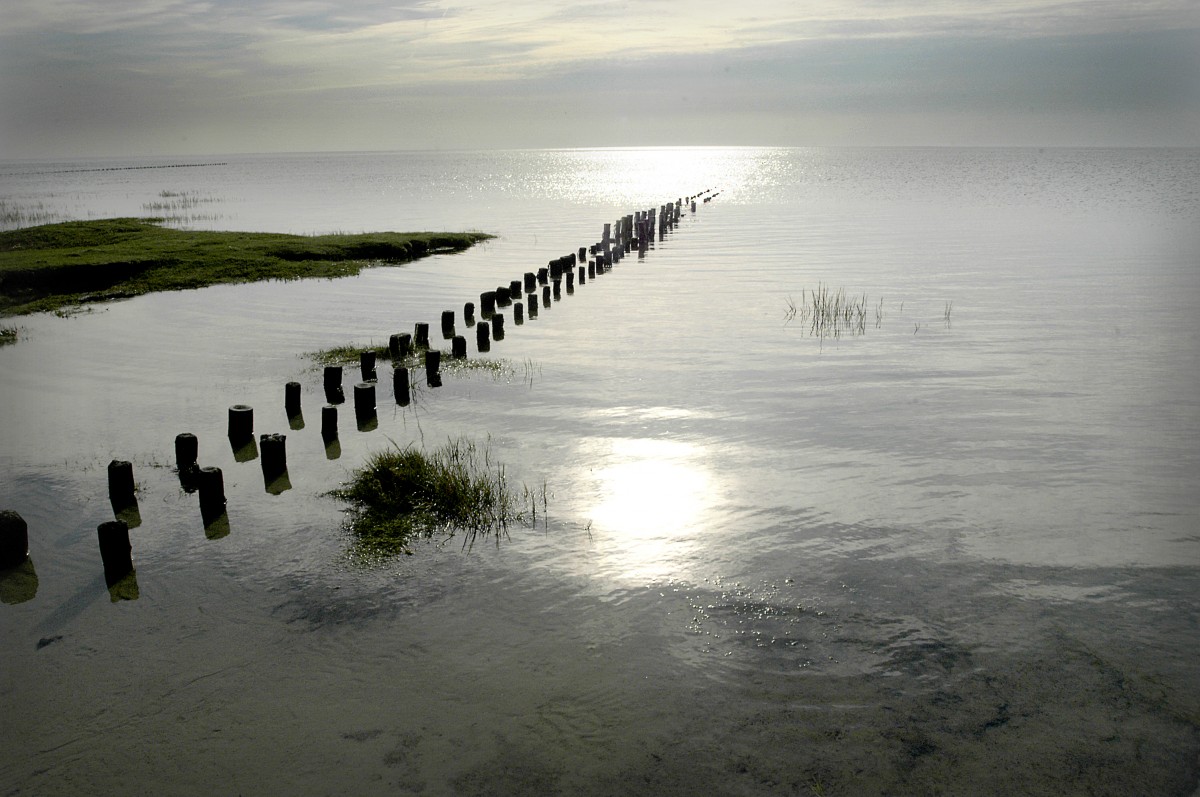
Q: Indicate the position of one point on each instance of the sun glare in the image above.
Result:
(652, 497)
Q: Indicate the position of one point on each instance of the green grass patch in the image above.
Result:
(8, 335)
(53, 266)
(405, 493)
(351, 355)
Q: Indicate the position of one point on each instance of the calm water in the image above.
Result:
(955, 550)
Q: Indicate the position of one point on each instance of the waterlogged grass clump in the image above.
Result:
(406, 493)
(8, 335)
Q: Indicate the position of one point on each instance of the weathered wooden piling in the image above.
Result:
(581, 255)
(448, 323)
(498, 327)
(546, 296)
(530, 281)
(469, 314)
(570, 275)
(115, 551)
(591, 269)
(582, 275)
(14, 539)
(433, 364)
(558, 290)
(291, 399)
(364, 399)
(187, 450)
(518, 313)
(514, 290)
(211, 485)
(120, 485)
(543, 276)
(329, 422)
(399, 345)
(273, 455)
(400, 385)
(241, 421)
(502, 297)
(532, 301)
(333, 377)
(421, 335)
(366, 365)
(483, 339)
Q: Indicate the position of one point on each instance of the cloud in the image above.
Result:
(315, 71)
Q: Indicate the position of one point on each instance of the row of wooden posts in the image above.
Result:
(629, 234)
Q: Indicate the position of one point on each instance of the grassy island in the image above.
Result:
(72, 263)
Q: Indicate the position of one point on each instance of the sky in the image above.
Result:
(177, 77)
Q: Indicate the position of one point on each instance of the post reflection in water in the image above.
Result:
(652, 499)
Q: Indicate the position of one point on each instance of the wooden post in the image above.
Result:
(400, 385)
(543, 276)
(115, 550)
(211, 485)
(187, 449)
(241, 418)
(518, 313)
(14, 539)
(120, 485)
(458, 347)
(530, 281)
(364, 400)
(546, 296)
(487, 304)
(514, 290)
(532, 301)
(469, 314)
(291, 399)
(329, 426)
(421, 335)
(498, 327)
(433, 364)
(447, 323)
(366, 365)
(483, 341)
(399, 346)
(582, 275)
(333, 377)
(273, 456)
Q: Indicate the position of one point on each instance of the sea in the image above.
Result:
(944, 542)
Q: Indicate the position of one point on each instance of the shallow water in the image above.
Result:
(946, 553)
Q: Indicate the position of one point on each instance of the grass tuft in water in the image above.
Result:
(405, 493)
(8, 335)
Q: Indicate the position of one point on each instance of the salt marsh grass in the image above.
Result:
(406, 493)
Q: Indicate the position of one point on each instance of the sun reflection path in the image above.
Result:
(653, 496)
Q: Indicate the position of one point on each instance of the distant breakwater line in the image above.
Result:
(127, 168)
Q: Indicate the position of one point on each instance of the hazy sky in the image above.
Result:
(133, 77)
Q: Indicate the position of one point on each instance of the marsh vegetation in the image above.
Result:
(59, 265)
(405, 493)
